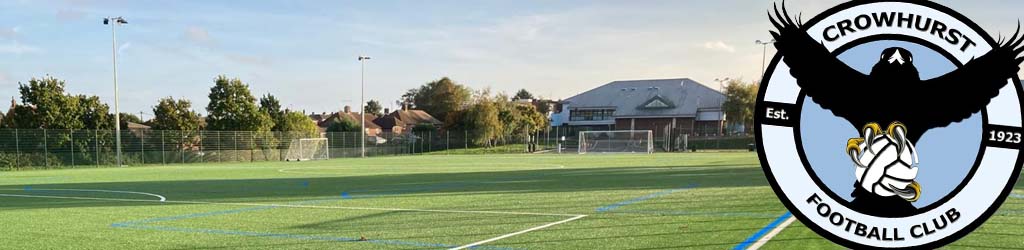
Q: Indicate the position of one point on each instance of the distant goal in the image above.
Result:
(306, 149)
(622, 141)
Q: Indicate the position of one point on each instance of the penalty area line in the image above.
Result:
(478, 243)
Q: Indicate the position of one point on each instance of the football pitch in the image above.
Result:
(659, 201)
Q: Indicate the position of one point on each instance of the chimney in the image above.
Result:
(348, 109)
(387, 111)
(405, 106)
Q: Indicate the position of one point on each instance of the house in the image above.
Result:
(324, 121)
(405, 120)
(665, 105)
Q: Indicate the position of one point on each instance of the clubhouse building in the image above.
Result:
(665, 106)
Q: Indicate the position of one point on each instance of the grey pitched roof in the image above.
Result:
(628, 97)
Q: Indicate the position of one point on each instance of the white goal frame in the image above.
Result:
(645, 145)
(305, 149)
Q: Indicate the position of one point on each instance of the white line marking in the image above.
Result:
(771, 234)
(289, 205)
(517, 233)
(162, 198)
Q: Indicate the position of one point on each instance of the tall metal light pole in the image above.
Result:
(764, 53)
(114, 22)
(721, 103)
(362, 103)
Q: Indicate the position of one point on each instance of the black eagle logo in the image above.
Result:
(893, 92)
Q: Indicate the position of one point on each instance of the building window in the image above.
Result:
(591, 114)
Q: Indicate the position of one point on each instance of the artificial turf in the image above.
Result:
(631, 201)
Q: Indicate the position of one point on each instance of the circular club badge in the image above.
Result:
(890, 124)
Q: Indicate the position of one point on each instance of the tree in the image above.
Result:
(373, 107)
(440, 98)
(298, 124)
(523, 95)
(46, 105)
(270, 106)
(233, 108)
(342, 125)
(171, 114)
(483, 123)
(127, 117)
(94, 113)
(739, 102)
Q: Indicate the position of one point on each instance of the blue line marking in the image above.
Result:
(1018, 196)
(678, 212)
(197, 215)
(758, 234)
(643, 198)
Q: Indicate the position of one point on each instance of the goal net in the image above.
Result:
(307, 149)
(625, 141)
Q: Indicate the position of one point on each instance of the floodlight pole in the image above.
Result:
(764, 53)
(362, 102)
(114, 22)
(721, 104)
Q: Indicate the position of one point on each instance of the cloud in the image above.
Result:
(124, 47)
(10, 33)
(18, 49)
(199, 35)
(719, 46)
(68, 15)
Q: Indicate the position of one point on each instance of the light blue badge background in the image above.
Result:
(946, 154)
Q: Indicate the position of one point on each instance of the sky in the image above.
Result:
(304, 52)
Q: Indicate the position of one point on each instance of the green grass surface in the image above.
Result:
(660, 201)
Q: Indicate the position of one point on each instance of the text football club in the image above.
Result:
(890, 124)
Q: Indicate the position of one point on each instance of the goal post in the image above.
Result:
(305, 149)
(620, 141)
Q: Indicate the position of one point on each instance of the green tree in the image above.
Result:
(523, 95)
(739, 102)
(440, 98)
(299, 125)
(373, 107)
(233, 108)
(482, 120)
(47, 106)
(270, 106)
(129, 117)
(94, 113)
(342, 125)
(171, 114)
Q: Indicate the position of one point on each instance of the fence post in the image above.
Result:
(163, 148)
(72, 148)
(182, 145)
(142, 145)
(46, 150)
(96, 145)
(17, 149)
(465, 139)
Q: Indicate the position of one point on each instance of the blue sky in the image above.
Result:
(305, 52)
